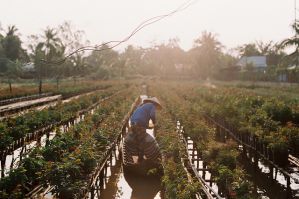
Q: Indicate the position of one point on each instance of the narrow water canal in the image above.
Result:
(266, 184)
(12, 160)
(121, 185)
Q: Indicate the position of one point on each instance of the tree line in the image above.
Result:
(206, 59)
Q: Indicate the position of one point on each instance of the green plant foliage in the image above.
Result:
(68, 161)
(19, 127)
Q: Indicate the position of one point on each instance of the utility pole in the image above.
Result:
(295, 24)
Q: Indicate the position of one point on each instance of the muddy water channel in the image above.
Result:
(121, 185)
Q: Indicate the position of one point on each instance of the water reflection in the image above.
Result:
(122, 185)
(264, 185)
(147, 187)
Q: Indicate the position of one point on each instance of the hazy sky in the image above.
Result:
(235, 21)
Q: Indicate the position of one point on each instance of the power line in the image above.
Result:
(116, 43)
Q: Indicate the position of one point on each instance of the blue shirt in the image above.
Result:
(143, 114)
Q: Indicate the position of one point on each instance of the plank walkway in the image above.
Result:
(18, 106)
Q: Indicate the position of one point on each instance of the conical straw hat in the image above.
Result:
(154, 100)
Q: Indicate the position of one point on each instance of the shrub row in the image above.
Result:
(67, 162)
(14, 128)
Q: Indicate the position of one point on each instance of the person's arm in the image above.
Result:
(153, 114)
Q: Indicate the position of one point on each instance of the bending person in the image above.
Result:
(140, 120)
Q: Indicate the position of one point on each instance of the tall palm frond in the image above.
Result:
(295, 27)
(293, 42)
(11, 30)
(52, 44)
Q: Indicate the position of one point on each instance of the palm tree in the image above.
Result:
(46, 51)
(207, 50)
(208, 41)
(11, 44)
(11, 30)
(52, 44)
(248, 50)
(293, 41)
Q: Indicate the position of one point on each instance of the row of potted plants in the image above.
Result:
(175, 181)
(262, 121)
(67, 162)
(267, 123)
(15, 128)
(221, 158)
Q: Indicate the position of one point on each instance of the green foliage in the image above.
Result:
(278, 111)
(293, 41)
(252, 115)
(34, 167)
(18, 127)
(176, 183)
(225, 176)
(11, 44)
(100, 138)
(57, 148)
(14, 185)
(206, 54)
(4, 136)
(64, 175)
(242, 188)
(175, 179)
(222, 160)
(69, 159)
(249, 50)
(187, 103)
